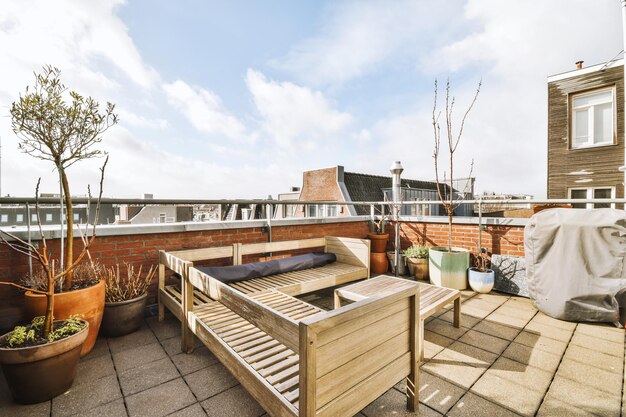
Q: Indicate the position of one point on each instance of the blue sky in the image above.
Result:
(234, 99)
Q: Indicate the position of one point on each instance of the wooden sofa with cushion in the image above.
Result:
(352, 264)
(297, 360)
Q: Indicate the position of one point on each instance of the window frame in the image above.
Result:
(590, 193)
(572, 118)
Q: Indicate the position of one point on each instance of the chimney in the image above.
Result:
(579, 64)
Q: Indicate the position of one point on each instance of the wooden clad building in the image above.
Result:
(586, 133)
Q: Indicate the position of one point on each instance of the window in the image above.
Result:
(589, 193)
(48, 217)
(33, 217)
(4, 218)
(311, 210)
(19, 218)
(592, 119)
(76, 217)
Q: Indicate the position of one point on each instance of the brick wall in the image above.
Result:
(142, 249)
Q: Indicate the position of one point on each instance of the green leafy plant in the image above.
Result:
(416, 251)
(60, 131)
(33, 334)
(132, 286)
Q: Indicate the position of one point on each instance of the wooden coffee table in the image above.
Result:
(432, 298)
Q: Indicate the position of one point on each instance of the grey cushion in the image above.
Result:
(263, 269)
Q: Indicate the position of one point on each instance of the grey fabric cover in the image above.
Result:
(263, 269)
(575, 262)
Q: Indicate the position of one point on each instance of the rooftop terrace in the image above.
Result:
(507, 359)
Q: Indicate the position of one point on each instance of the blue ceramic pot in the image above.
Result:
(481, 282)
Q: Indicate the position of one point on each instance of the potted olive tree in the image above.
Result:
(39, 360)
(125, 300)
(72, 128)
(448, 265)
(417, 261)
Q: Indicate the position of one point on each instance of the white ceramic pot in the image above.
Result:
(448, 269)
(481, 282)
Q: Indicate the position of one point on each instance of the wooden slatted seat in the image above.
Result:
(352, 264)
(297, 360)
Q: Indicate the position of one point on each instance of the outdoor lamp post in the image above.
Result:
(396, 169)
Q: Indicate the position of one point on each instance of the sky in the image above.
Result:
(235, 99)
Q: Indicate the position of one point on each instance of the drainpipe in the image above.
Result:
(623, 167)
(396, 169)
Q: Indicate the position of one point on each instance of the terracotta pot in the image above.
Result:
(39, 373)
(391, 256)
(123, 317)
(379, 242)
(378, 263)
(418, 267)
(87, 304)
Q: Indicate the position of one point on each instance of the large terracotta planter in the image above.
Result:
(87, 304)
(378, 242)
(39, 373)
(378, 263)
(123, 317)
(418, 267)
(448, 269)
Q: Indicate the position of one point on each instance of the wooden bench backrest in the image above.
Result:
(349, 250)
(352, 355)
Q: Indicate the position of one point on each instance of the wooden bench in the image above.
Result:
(432, 298)
(297, 360)
(352, 264)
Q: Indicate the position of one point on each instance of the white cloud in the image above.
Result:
(204, 110)
(133, 119)
(294, 115)
(359, 38)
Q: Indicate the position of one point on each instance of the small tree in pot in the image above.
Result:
(481, 277)
(62, 131)
(448, 265)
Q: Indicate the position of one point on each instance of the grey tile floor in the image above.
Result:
(507, 359)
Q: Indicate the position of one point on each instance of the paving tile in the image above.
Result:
(553, 332)
(466, 320)
(496, 329)
(136, 356)
(591, 376)
(172, 345)
(540, 342)
(478, 313)
(194, 410)
(191, 362)
(95, 368)
(602, 331)
(463, 353)
(147, 376)
(492, 299)
(393, 404)
(532, 357)
(438, 394)
(487, 342)
(161, 400)
(597, 359)
(475, 406)
(584, 397)
(143, 336)
(518, 373)
(113, 409)
(550, 321)
(508, 394)
(551, 407)
(100, 348)
(463, 375)
(434, 343)
(515, 313)
(445, 329)
(165, 329)
(209, 381)
(599, 345)
(235, 402)
(500, 318)
(521, 303)
(83, 397)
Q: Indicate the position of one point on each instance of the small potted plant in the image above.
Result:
(481, 277)
(417, 261)
(125, 300)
